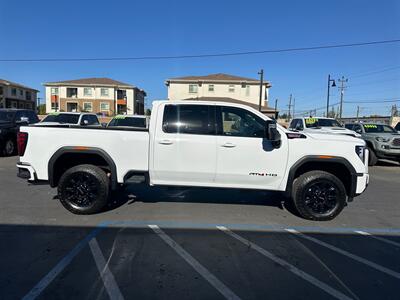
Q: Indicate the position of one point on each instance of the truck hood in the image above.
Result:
(336, 130)
(319, 135)
(382, 134)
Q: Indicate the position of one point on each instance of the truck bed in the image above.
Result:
(128, 147)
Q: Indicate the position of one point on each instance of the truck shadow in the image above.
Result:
(147, 194)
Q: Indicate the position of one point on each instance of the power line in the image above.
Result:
(297, 49)
(387, 100)
(375, 72)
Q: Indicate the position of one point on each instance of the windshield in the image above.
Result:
(315, 122)
(7, 116)
(376, 128)
(62, 118)
(126, 121)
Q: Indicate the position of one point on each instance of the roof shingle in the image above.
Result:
(7, 82)
(91, 81)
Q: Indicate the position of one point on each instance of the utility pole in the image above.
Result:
(290, 106)
(261, 73)
(294, 101)
(276, 107)
(342, 87)
(358, 111)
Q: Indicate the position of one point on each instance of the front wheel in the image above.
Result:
(318, 195)
(84, 189)
(372, 159)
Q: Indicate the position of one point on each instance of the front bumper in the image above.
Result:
(391, 153)
(362, 183)
(25, 171)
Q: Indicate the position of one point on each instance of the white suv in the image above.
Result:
(320, 125)
(70, 118)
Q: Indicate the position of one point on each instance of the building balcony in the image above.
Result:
(121, 101)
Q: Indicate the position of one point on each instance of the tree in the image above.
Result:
(283, 116)
(42, 109)
(148, 112)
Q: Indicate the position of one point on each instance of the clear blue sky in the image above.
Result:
(53, 29)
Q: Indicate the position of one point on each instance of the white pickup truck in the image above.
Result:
(196, 143)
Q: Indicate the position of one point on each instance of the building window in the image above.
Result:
(247, 90)
(54, 91)
(87, 106)
(104, 106)
(72, 92)
(28, 95)
(104, 92)
(231, 88)
(87, 91)
(211, 88)
(54, 105)
(193, 88)
(14, 91)
(21, 92)
(1, 90)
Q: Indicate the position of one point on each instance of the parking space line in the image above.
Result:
(105, 273)
(346, 253)
(207, 275)
(323, 286)
(378, 238)
(65, 261)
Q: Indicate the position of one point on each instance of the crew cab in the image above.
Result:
(320, 124)
(197, 143)
(71, 118)
(10, 121)
(383, 141)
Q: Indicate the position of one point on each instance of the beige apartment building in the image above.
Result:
(220, 87)
(15, 95)
(97, 95)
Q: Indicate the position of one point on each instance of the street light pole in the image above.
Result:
(327, 96)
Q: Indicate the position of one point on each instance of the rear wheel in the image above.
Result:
(9, 147)
(84, 189)
(318, 195)
(372, 159)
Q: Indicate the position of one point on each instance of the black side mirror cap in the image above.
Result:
(272, 134)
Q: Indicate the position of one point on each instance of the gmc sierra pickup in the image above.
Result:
(196, 143)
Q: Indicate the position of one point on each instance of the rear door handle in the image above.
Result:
(165, 142)
(228, 145)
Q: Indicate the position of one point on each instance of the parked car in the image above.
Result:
(129, 121)
(320, 125)
(197, 143)
(10, 121)
(382, 140)
(70, 118)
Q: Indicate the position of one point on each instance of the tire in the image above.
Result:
(10, 147)
(84, 189)
(318, 196)
(372, 159)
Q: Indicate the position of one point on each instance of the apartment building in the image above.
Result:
(15, 95)
(220, 87)
(98, 95)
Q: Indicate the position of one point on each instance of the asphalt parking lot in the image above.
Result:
(158, 243)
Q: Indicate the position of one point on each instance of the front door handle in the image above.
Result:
(165, 142)
(228, 145)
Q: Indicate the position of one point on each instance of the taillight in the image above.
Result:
(22, 140)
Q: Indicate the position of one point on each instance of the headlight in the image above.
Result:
(381, 139)
(360, 150)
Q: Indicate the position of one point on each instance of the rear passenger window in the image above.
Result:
(189, 119)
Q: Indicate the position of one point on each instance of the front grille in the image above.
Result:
(396, 142)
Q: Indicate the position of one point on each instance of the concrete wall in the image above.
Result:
(250, 93)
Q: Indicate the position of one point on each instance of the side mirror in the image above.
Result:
(272, 134)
